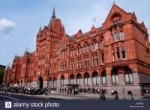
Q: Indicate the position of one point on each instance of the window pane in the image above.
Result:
(117, 79)
(88, 81)
(123, 52)
(131, 78)
(85, 81)
(121, 36)
(126, 78)
(113, 79)
(79, 81)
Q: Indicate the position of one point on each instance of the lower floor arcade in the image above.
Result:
(122, 80)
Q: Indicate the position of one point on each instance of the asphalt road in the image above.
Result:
(12, 96)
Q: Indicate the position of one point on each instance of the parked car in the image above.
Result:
(2, 87)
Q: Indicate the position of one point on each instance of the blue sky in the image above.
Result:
(21, 19)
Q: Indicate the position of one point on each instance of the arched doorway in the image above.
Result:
(72, 79)
(40, 80)
(86, 79)
(62, 80)
(79, 78)
(128, 76)
(114, 76)
(95, 78)
(103, 76)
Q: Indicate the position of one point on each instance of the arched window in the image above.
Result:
(116, 18)
(128, 76)
(95, 79)
(62, 80)
(104, 80)
(72, 79)
(114, 77)
(86, 79)
(79, 78)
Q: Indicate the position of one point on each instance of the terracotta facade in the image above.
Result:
(115, 55)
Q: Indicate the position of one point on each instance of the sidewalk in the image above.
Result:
(70, 96)
(81, 96)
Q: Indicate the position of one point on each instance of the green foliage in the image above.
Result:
(1, 72)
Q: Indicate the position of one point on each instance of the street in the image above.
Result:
(17, 97)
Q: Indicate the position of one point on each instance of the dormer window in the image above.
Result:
(116, 18)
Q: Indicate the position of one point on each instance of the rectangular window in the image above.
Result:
(86, 62)
(96, 61)
(115, 37)
(123, 53)
(102, 58)
(78, 51)
(117, 53)
(96, 46)
(121, 34)
(101, 44)
(80, 64)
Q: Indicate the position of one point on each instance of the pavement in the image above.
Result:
(71, 96)
(54, 96)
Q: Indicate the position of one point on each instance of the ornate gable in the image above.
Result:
(116, 14)
(79, 34)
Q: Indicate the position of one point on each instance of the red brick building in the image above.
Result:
(113, 56)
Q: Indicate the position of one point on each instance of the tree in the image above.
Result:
(2, 68)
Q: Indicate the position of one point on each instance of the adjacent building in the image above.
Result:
(113, 56)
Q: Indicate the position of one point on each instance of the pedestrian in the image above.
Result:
(132, 96)
(102, 95)
(112, 92)
(116, 95)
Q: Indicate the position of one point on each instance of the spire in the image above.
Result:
(53, 14)
(52, 18)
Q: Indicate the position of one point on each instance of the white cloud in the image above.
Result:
(6, 26)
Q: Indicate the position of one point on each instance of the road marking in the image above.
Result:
(9, 97)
